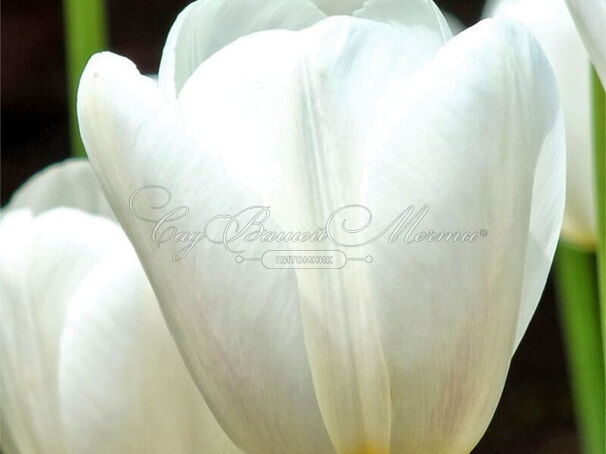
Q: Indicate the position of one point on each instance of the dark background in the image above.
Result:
(535, 414)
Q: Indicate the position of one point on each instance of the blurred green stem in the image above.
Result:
(599, 129)
(578, 288)
(85, 34)
(599, 137)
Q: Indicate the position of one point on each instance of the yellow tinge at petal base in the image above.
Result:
(371, 450)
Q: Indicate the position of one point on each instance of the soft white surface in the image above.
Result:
(409, 353)
(551, 23)
(88, 364)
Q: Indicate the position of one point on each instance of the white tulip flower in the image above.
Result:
(590, 18)
(88, 364)
(551, 23)
(273, 103)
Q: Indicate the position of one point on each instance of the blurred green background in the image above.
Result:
(535, 415)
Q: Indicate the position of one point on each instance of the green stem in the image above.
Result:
(576, 271)
(599, 128)
(599, 137)
(85, 34)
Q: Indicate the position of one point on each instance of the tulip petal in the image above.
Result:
(304, 172)
(423, 16)
(339, 7)
(70, 184)
(303, 106)
(123, 384)
(590, 17)
(58, 248)
(477, 136)
(63, 396)
(551, 23)
(205, 26)
(237, 326)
